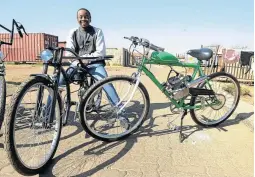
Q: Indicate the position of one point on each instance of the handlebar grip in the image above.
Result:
(50, 48)
(161, 49)
(153, 47)
(20, 33)
(156, 48)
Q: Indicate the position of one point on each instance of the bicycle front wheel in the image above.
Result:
(109, 122)
(31, 139)
(2, 99)
(219, 107)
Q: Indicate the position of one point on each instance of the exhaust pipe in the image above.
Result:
(197, 81)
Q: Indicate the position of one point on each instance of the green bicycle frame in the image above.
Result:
(164, 58)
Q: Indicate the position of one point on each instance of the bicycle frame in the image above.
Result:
(55, 86)
(67, 84)
(178, 103)
(56, 62)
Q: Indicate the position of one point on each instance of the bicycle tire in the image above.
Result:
(9, 128)
(2, 99)
(193, 99)
(99, 84)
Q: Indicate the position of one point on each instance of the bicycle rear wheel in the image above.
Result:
(95, 103)
(31, 140)
(219, 107)
(107, 122)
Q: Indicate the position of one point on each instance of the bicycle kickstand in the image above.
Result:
(182, 136)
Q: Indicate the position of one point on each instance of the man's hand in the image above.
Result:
(86, 62)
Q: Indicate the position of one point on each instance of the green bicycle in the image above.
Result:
(206, 97)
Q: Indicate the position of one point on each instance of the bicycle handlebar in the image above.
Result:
(18, 27)
(76, 56)
(144, 42)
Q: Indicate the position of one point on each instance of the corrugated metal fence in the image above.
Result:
(240, 72)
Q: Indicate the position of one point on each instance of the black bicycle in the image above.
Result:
(34, 118)
(19, 27)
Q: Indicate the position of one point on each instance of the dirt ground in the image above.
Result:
(248, 98)
(16, 74)
(154, 150)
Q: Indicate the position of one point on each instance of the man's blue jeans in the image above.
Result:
(98, 71)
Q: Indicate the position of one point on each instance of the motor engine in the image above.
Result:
(177, 86)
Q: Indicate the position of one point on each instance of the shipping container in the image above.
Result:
(26, 49)
(62, 44)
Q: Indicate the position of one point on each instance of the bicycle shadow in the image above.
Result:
(99, 148)
(189, 130)
(13, 83)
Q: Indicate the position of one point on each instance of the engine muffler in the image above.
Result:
(199, 91)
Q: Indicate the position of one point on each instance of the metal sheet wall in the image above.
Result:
(26, 49)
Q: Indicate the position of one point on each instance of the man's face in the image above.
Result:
(83, 18)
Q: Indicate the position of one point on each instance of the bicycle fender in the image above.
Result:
(45, 76)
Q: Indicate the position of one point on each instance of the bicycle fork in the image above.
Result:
(137, 76)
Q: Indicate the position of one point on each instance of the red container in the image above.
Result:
(26, 49)
(62, 44)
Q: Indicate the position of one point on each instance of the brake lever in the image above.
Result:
(135, 40)
(145, 42)
(22, 27)
(25, 31)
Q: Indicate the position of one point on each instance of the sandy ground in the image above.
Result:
(154, 150)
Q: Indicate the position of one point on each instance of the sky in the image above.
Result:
(177, 25)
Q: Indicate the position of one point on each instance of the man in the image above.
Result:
(88, 41)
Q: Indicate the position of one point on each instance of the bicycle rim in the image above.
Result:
(227, 96)
(36, 137)
(106, 120)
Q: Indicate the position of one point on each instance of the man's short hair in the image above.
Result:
(85, 10)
